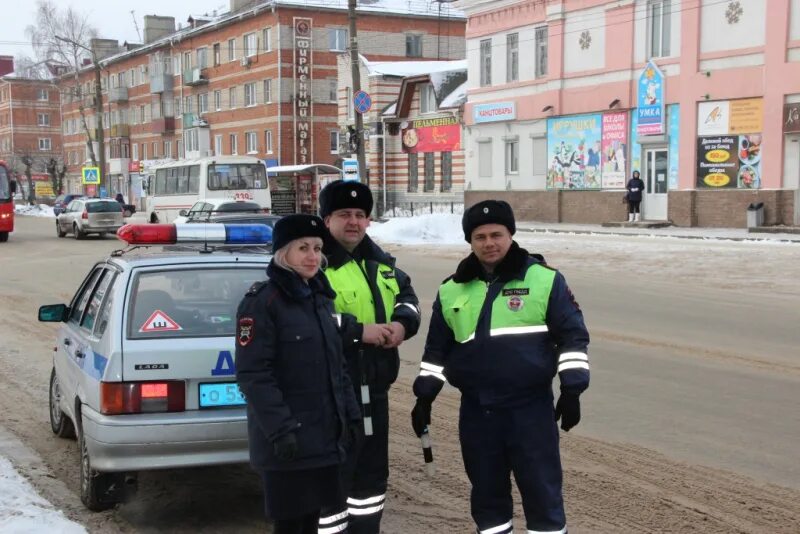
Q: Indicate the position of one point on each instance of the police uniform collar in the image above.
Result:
(366, 250)
(512, 266)
(291, 283)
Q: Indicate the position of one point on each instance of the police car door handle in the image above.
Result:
(80, 354)
(67, 341)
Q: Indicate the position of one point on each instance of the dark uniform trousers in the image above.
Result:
(524, 440)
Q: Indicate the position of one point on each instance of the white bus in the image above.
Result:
(177, 185)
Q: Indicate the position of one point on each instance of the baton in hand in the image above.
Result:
(427, 452)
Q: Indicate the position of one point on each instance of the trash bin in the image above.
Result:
(755, 214)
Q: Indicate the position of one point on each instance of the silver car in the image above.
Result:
(143, 370)
(85, 216)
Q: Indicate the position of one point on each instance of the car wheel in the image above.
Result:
(3, 237)
(77, 233)
(102, 235)
(59, 422)
(94, 484)
(153, 218)
(59, 231)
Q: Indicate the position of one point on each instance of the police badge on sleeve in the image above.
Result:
(244, 334)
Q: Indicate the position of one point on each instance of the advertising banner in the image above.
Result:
(432, 135)
(615, 149)
(674, 125)
(574, 152)
(736, 122)
(749, 173)
(303, 104)
(746, 116)
(791, 118)
(650, 101)
(717, 161)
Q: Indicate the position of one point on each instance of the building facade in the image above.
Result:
(701, 96)
(260, 80)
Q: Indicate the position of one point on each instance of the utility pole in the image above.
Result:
(362, 164)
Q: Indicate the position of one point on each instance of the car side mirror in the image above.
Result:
(183, 213)
(13, 186)
(53, 313)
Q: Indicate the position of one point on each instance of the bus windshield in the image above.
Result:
(5, 188)
(236, 176)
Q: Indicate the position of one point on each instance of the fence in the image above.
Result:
(410, 209)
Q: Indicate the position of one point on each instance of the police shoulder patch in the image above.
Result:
(388, 274)
(244, 331)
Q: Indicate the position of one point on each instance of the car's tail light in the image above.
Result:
(265, 210)
(142, 397)
(85, 214)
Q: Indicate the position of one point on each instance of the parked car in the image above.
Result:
(62, 201)
(202, 210)
(143, 370)
(85, 216)
(240, 218)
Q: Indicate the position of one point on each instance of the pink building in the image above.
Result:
(567, 97)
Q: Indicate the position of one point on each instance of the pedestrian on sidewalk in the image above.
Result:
(302, 413)
(635, 188)
(502, 327)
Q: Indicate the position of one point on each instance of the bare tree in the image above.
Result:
(27, 67)
(57, 170)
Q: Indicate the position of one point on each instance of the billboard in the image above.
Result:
(574, 152)
(432, 135)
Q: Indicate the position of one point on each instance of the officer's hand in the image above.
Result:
(568, 409)
(398, 335)
(285, 447)
(420, 416)
(376, 334)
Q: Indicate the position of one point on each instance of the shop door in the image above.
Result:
(654, 207)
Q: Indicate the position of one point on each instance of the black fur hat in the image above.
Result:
(340, 195)
(488, 212)
(295, 226)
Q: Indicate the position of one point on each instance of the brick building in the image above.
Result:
(251, 81)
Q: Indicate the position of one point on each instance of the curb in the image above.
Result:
(640, 234)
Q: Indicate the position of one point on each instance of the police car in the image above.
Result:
(143, 371)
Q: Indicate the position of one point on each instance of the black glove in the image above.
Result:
(568, 409)
(420, 416)
(285, 447)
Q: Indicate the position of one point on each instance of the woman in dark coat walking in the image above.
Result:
(635, 187)
(302, 414)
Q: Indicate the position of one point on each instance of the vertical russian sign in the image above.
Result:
(303, 102)
(650, 101)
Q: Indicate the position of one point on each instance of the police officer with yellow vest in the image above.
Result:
(370, 287)
(502, 327)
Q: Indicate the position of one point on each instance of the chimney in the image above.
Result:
(6, 65)
(104, 47)
(156, 27)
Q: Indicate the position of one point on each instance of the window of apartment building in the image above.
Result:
(142, 74)
(144, 150)
(155, 149)
(167, 149)
(106, 118)
(486, 62)
(413, 172)
(44, 143)
(413, 45)
(180, 153)
(217, 145)
(539, 156)
(430, 176)
(267, 91)
(268, 141)
(540, 45)
(512, 57)
(232, 98)
(658, 25)
(427, 98)
(43, 119)
(187, 61)
(349, 96)
(202, 103)
(202, 57)
(234, 142)
(176, 63)
(250, 94)
(43, 94)
(266, 39)
(191, 139)
(337, 39)
(103, 84)
(217, 54)
(188, 107)
(334, 141)
(512, 156)
(217, 100)
(251, 142)
(135, 150)
(231, 49)
(447, 171)
(177, 104)
(485, 159)
(250, 42)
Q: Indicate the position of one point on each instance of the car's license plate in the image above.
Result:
(220, 394)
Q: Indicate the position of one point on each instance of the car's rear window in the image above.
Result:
(103, 207)
(239, 206)
(188, 302)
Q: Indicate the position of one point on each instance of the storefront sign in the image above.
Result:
(747, 116)
(740, 121)
(432, 135)
(717, 162)
(791, 118)
(303, 111)
(498, 111)
(574, 152)
(43, 189)
(674, 126)
(650, 101)
(615, 149)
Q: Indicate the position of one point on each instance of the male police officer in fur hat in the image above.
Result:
(370, 287)
(502, 327)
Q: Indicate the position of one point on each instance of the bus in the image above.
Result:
(177, 185)
(7, 189)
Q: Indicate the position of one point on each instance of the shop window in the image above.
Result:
(658, 23)
(512, 57)
(430, 173)
(447, 172)
(512, 157)
(485, 159)
(413, 173)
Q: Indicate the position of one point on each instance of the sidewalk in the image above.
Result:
(732, 234)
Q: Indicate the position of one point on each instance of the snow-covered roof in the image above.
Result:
(390, 110)
(399, 7)
(403, 69)
(456, 98)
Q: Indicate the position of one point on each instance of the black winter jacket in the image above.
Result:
(635, 189)
(291, 369)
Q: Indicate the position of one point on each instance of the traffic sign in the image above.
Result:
(91, 175)
(350, 169)
(362, 101)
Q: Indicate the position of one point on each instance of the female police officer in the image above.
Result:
(302, 412)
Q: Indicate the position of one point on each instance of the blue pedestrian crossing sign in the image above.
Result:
(362, 101)
(91, 175)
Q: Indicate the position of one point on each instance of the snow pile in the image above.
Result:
(42, 210)
(437, 228)
(22, 510)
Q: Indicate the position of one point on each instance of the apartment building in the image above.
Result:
(701, 96)
(260, 80)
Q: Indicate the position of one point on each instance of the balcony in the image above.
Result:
(163, 125)
(118, 94)
(161, 82)
(93, 133)
(118, 165)
(120, 130)
(194, 76)
(193, 120)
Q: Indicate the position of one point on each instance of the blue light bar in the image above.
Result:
(247, 234)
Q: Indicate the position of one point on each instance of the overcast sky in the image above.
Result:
(112, 18)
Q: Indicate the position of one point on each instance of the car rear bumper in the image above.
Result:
(164, 441)
(91, 229)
